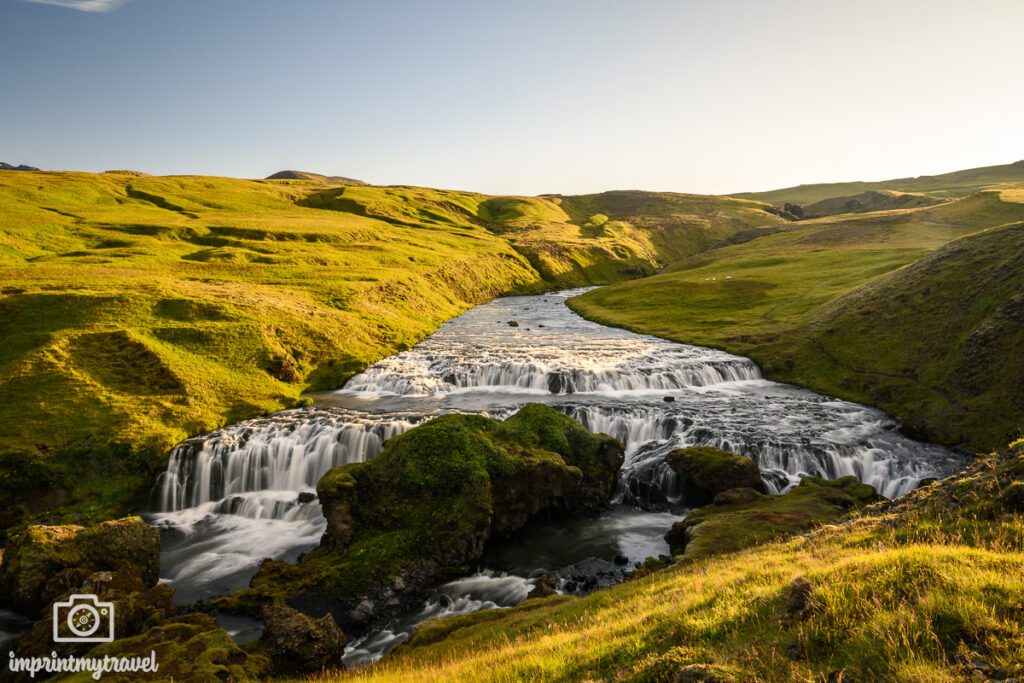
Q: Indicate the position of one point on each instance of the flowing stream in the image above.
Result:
(231, 498)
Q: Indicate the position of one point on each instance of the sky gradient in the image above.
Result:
(516, 98)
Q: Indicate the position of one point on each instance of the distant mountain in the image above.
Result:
(947, 185)
(21, 167)
(305, 175)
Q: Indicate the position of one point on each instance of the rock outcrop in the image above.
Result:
(743, 517)
(297, 644)
(423, 510)
(46, 562)
(704, 472)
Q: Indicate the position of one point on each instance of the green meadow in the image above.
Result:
(888, 308)
(138, 310)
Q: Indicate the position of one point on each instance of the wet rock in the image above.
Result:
(337, 493)
(46, 562)
(646, 494)
(306, 497)
(545, 587)
(560, 383)
(513, 323)
(704, 472)
(621, 560)
(669, 399)
(298, 644)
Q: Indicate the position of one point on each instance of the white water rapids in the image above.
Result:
(244, 493)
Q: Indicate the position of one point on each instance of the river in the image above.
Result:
(231, 498)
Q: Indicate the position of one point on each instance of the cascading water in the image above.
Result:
(247, 492)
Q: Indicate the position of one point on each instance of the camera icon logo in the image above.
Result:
(83, 619)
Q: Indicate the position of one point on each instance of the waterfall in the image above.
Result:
(247, 492)
(287, 452)
(830, 439)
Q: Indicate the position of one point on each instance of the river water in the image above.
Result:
(247, 492)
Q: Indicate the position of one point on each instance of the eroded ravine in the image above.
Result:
(244, 493)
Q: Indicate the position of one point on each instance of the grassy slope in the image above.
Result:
(926, 589)
(872, 200)
(955, 184)
(137, 310)
(793, 301)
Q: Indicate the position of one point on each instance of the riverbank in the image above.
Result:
(916, 312)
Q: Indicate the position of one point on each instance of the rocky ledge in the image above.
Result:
(423, 511)
(742, 517)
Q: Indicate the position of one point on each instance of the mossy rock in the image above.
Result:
(423, 510)
(190, 648)
(437, 492)
(704, 472)
(298, 644)
(749, 521)
(44, 562)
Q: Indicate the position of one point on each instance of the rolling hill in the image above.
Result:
(947, 185)
(862, 306)
(137, 310)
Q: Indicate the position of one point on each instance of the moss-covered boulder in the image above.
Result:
(745, 520)
(191, 647)
(437, 492)
(46, 562)
(703, 472)
(423, 510)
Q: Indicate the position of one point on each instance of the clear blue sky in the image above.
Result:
(516, 97)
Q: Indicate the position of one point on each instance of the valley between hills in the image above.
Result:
(137, 312)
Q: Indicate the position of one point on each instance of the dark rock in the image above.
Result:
(513, 323)
(298, 644)
(46, 562)
(645, 494)
(621, 560)
(798, 599)
(426, 506)
(704, 472)
(1012, 497)
(545, 587)
(669, 399)
(678, 537)
(337, 493)
(282, 369)
(306, 497)
(794, 210)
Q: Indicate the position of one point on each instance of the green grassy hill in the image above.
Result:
(955, 184)
(872, 200)
(137, 310)
(924, 590)
(834, 304)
